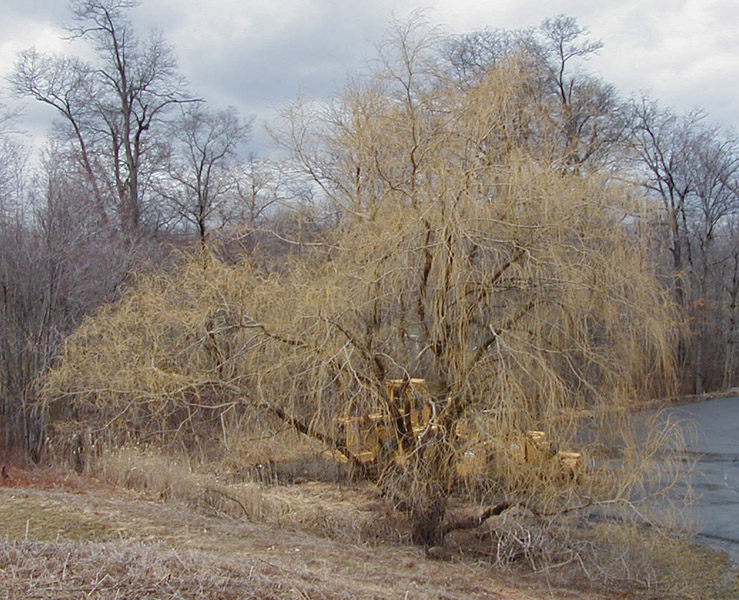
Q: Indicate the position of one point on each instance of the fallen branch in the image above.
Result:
(476, 521)
(232, 499)
(304, 428)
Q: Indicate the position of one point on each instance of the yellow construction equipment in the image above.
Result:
(409, 399)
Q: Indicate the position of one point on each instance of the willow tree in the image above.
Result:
(518, 290)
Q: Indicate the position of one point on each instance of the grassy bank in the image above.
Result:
(72, 536)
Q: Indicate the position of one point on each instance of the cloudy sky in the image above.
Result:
(257, 54)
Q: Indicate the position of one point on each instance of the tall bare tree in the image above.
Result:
(112, 108)
(583, 116)
(57, 263)
(691, 168)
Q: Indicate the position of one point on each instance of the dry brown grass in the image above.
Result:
(164, 477)
(300, 561)
(269, 494)
(139, 570)
(580, 553)
(598, 555)
(325, 541)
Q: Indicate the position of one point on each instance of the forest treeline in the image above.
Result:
(138, 171)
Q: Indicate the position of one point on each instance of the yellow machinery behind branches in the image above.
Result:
(407, 399)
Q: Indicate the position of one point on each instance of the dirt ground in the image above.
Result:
(71, 537)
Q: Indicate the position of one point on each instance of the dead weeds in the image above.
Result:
(129, 569)
(73, 544)
(80, 538)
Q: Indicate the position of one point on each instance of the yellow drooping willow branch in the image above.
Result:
(467, 254)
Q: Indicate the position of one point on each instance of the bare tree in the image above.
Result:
(715, 199)
(691, 168)
(113, 108)
(583, 116)
(202, 166)
(67, 85)
(262, 186)
(663, 143)
(728, 279)
(57, 263)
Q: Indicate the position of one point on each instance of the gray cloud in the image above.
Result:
(257, 54)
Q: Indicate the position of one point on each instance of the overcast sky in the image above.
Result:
(257, 54)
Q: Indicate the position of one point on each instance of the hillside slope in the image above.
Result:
(77, 538)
